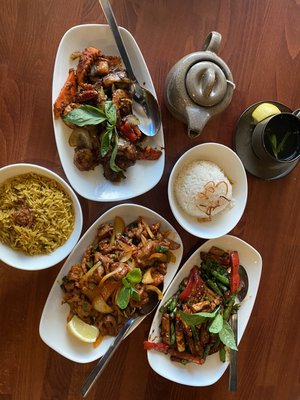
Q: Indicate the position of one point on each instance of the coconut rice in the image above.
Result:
(202, 190)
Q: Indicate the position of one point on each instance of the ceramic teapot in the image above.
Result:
(199, 86)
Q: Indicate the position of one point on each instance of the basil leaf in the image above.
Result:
(85, 115)
(197, 318)
(134, 276)
(112, 163)
(135, 294)
(110, 112)
(123, 297)
(126, 282)
(217, 324)
(105, 142)
(226, 336)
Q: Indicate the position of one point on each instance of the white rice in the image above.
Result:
(202, 190)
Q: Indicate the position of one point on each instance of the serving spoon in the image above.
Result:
(96, 372)
(144, 105)
(244, 284)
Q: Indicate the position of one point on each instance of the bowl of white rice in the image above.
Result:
(208, 190)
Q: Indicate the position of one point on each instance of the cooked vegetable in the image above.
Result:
(107, 286)
(194, 321)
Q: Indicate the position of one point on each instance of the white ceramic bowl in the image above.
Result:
(53, 324)
(212, 370)
(233, 168)
(21, 260)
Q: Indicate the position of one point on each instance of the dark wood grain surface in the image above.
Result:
(261, 45)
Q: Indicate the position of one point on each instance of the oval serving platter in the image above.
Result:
(92, 185)
(53, 323)
(212, 370)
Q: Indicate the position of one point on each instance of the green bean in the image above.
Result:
(172, 315)
(172, 333)
(228, 309)
(222, 287)
(165, 306)
(222, 354)
(222, 278)
(214, 287)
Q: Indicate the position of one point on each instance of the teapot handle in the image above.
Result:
(297, 113)
(212, 42)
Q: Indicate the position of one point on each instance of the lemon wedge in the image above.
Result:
(263, 111)
(83, 331)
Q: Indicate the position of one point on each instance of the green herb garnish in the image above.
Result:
(218, 325)
(128, 290)
(90, 115)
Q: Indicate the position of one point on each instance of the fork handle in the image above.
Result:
(233, 357)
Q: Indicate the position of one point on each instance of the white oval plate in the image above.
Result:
(53, 324)
(212, 370)
(20, 260)
(92, 185)
(233, 168)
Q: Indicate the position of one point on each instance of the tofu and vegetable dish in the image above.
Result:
(115, 275)
(96, 103)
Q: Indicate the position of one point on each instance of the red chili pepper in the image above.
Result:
(130, 132)
(159, 346)
(193, 283)
(234, 274)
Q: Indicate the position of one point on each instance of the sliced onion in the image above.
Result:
(81, 138)
(159, 257)
(155, 289)
(143, 240)
(147, 277)
(132, 119)
(119, 228)
(115, 271)
(100, 305)
(90, 271)
(150, 233)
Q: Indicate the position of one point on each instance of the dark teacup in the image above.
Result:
(277, 138)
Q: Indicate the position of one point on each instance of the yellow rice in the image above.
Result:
(51, 207)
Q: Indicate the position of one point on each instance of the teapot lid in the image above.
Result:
(206, 83)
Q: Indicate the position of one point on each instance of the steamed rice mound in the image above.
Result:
(202, 190)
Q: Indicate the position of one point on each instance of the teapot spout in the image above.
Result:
(196, 120)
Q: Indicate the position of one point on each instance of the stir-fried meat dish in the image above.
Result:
(117, 272)
(194, 322)
(96, 102)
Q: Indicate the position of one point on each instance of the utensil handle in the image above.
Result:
(109, 15)
(233, 357)
(95, 373)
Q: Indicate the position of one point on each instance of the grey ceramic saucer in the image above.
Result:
(243, 147)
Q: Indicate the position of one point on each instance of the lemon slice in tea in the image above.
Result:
(263, 111)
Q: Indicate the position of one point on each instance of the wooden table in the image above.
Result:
(261, 45)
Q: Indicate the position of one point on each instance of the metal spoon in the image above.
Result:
(244, 283)
(144, 105)
(96, 372)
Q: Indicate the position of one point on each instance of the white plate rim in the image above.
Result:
(213, 369)
(141, 177)
(20, 260)
(82, 352)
